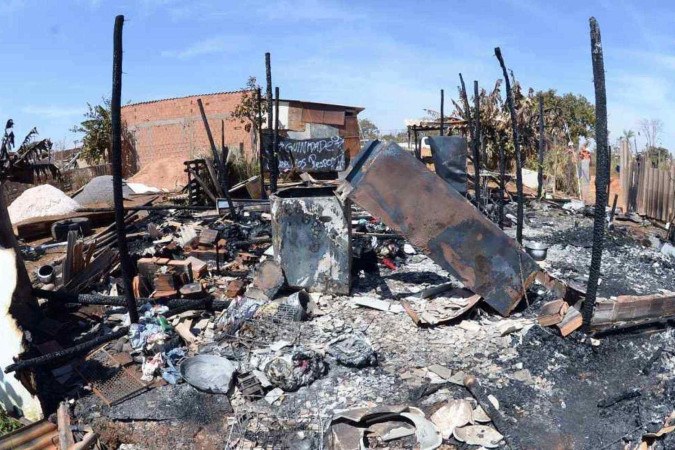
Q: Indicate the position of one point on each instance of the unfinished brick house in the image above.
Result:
(173, 128)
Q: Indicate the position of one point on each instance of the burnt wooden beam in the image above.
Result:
(477, 136)
(205, 121)
(502, 187)
(270, 120)
(601, 179)
(631, 310)
(275, 147)
(116, 119)
(540, 165)
(516, 145)
(261, 148)
(469, 121)
(442, 111)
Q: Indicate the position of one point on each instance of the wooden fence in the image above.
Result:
(646, 190)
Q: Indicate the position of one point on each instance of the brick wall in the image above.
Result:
(173, 128)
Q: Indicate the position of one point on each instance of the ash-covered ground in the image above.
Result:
(562, 393)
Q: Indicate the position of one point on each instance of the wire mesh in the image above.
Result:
(109, 380)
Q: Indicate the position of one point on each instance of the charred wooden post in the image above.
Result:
(223, 185)
(442, 105)
(270, 121)
(116, 119)
(261, 148)
(477, 136)
(95, 299)
(417, 151)
(516, 145)
(601, 180)
(502, 187)
(61, 355)
(205, 121)
(275, 147)
(540, 164)
(469, 124)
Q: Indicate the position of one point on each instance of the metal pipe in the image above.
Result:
(601, 180)
(116, 119)
(516, 145)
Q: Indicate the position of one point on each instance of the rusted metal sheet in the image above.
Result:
(311, 234)
(38, 435)
(394, 186)
(449, 155)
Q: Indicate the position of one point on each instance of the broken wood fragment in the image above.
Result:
(571, 321)
(631, 310)
(87, 442)
(183, 330)
(66, 439)
(552, 313)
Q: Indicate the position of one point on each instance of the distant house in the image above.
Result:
(173, 128)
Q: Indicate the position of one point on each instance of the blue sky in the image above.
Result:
(391, 57)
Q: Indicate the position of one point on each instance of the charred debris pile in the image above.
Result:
(387, 307)
(340, 312)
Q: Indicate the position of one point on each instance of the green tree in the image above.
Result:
(571, 115)
(368, 129)
(659, 156)
(247, 109)
(401, 136)
(566, 117)
(97, 129)
(97, 140)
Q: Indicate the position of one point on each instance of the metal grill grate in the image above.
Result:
(110, 381)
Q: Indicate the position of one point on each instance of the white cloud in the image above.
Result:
(53, 111)
(217, 44)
